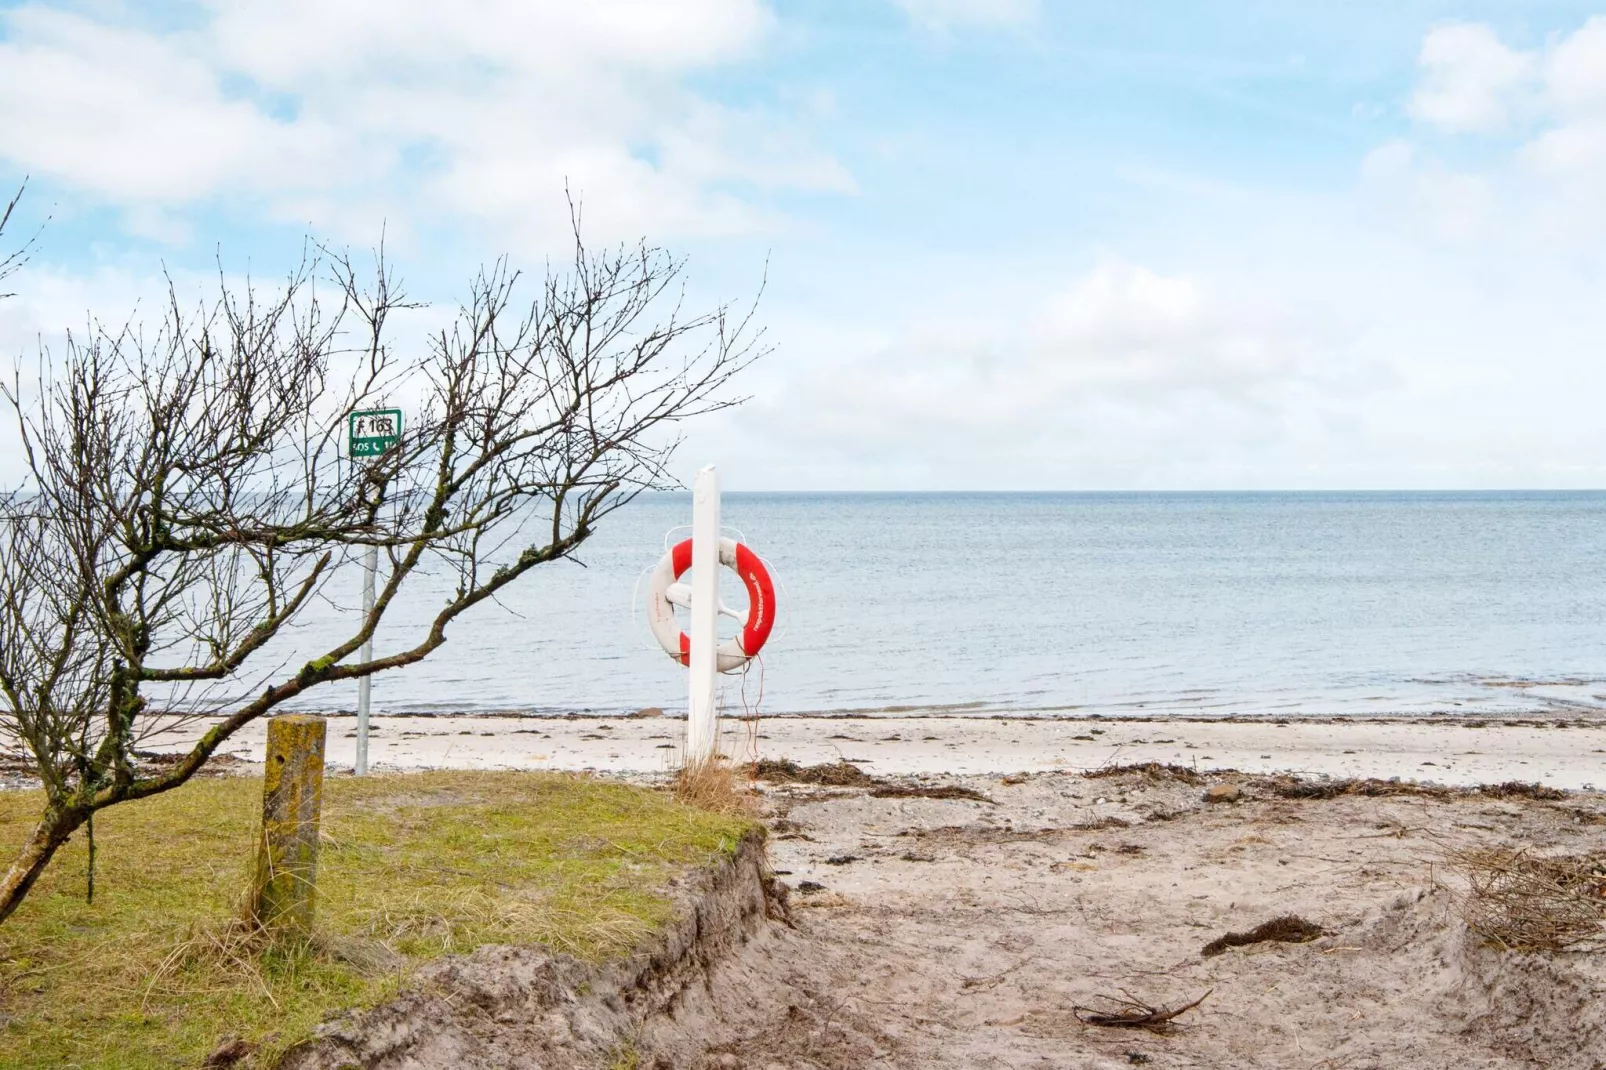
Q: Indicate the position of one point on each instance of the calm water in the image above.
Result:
(1287, 604)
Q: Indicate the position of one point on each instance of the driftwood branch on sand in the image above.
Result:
(1132, 1013)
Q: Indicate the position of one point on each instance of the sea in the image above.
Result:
(1200, 604)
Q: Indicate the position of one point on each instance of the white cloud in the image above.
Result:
(1125, 376)
(1551, 182)
(1576, 72)
(288, 44)
(1426, 194)
(320, 110)
(1282, 344)
(134, 118)
(1471, 80)
(941, 16)
(1565, 151)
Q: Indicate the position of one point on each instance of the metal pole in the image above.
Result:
(365, 686)
(702, 715)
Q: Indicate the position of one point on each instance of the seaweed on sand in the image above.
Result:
(1287, 929)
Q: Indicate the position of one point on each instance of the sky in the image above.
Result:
(1006, 244)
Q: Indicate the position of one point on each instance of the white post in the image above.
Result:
(702, 716)
(365, 686)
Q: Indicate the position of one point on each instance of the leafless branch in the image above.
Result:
(13, 261)
(186, 496)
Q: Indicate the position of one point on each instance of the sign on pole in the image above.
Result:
(373, 431)
(370, 432)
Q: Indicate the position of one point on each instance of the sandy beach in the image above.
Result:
(976, 891)
(988, 930)
(1559, 753)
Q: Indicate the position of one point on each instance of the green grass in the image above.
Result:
(157, 972)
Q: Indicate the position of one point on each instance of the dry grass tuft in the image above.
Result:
(1522, 902)
(231, 952)
(711, 784)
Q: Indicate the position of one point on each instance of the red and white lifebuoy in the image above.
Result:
(734, 652)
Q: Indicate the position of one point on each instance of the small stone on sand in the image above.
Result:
(1222, 793)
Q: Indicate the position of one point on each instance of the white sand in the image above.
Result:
(1561, 754)
(951, 933)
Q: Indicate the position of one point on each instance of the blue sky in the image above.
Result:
(1011, 244)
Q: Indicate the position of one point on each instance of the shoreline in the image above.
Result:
(1563, 753)
(1545, 705)
(1509, 718)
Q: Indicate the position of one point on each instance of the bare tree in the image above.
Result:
(187, 497)
(14, 259)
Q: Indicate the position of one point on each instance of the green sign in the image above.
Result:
(373, 431)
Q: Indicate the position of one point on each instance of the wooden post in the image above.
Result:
(702, 713)
(286, 884)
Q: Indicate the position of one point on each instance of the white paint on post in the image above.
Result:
(365, 686)
(702, 716)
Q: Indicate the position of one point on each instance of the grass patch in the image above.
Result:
(156, 974)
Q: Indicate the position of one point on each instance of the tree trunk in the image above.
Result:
(54, 829)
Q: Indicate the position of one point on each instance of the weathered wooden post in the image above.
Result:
(285, 888)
